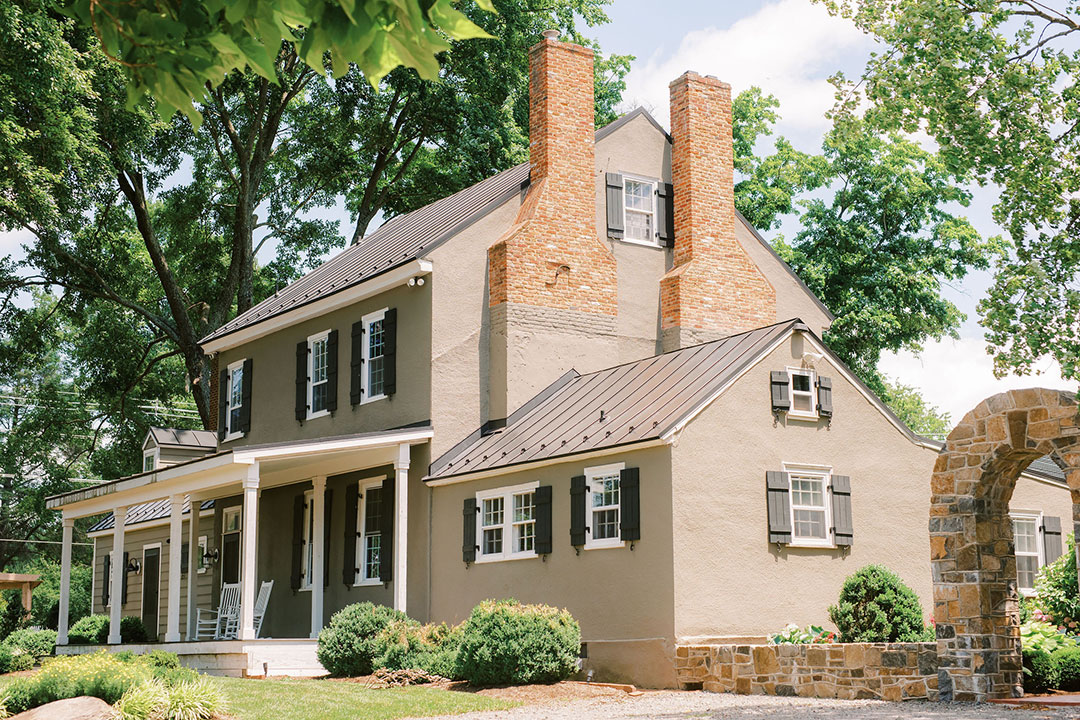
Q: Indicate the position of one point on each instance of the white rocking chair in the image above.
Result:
(218, 624)
(260, 605)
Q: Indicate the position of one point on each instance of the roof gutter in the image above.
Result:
(399, 275)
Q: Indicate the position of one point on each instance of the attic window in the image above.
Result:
(802, 393)
(640, 209)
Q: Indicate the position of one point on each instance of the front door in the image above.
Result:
(151, 567)
(230, 557)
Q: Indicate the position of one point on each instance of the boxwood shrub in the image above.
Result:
(505, 642)
(1040, 671)
(94, 630)
(347, 646)
(35, 643)
(406, 645)
(1067, 662)
(877, 606)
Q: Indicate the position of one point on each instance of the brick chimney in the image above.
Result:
(714, 289)
(551, 280)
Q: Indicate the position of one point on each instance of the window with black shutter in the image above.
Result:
(577, 510)
(468, 532)
(665, 214)
(840, 490)
(301, 380)
(629, 505)
(544, 544)
(350, 568)
(297, 569)
(778, 502)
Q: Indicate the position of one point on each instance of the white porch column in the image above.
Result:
(193, 565)
(318, 541)
(116, 592)
(401, 526)
(65, 582)
(248, 540)
(176, 541)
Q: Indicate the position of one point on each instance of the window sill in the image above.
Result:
(376, 582)
(804, 417)
(805, 544)
(504, 558)
(232, 436)
(376, 398)
(605, 545)
(321, 413)
(642, 243)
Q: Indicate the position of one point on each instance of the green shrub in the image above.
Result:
(99, 675)
(21, 661)
(347, 645)
(405, 645)
(94, 630)
(145, 701)
(45, 600)
(1056, 591)
(161, 659)
(876, 606)
(1036, 635)
(36, 643)
(792, 634)
(194, 700)
(504, 642)
(1040, 671)
(6, 657)
(1067, 661)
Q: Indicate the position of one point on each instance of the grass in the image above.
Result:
(332, 700)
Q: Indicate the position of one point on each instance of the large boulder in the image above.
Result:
(80, 708)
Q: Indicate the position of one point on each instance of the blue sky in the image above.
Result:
(789, 48)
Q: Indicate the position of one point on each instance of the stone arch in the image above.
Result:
(971, 543)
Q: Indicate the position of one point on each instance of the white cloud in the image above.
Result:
(956, 375)
(788, 48)
(11, 243)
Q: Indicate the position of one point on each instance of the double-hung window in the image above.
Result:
(149, 460)
(369, 537)
(810, 518)
(234, 395)
(1028, 551)
(603, 514)
(318, 377)
(802, 393)
(374, 371)
(507, 527)
(639, 210)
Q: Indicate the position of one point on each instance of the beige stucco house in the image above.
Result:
(585, 381)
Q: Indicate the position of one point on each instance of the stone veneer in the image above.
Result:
(849, 671)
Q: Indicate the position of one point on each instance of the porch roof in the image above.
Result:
(223, 471)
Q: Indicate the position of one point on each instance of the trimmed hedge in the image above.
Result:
(1067, 661)
(35, 643)
(506, 643)
(406, 645)
(347, 646)
(877, 606)
(94, 630)
(1040, 671)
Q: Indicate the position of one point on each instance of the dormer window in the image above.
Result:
(149, 460)
(640, 209)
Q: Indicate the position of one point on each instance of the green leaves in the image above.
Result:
(173, 50)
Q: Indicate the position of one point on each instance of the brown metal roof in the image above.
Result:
(174, 437)
(625, 404)
(157, 510)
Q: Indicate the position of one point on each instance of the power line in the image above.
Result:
(41, 542)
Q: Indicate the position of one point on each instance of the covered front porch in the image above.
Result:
(254, 538)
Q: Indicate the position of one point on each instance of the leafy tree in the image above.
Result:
(997, 84)
(176, 49)
(918, 414)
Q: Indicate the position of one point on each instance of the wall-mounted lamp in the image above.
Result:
(134, 566)
(210, 556)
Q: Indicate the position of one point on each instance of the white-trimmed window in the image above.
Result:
(803, 403)
(811, 520)
(307, 569)
(1029, 551)
(234, 400)
(369, 534)
(639, 209)
(603, 506)
(318, 377)
(507, 527)
(149, 460)
(374, 372)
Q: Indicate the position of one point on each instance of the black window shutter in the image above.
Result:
(328, 504)
(577, 510)
(390, 352)
(781, 397)
(665, 216)
(352, 507)
(301, 380)
(629, 505)
(615, 226)
(386, 539)
(356, 364)
(123, 586)
(297, 542)
(245, 392)
(331, 370)
(468, 530)
(107, 581)
(1051, 527)
(185, 558)
(778, 495)
(222, 402)
(824, 396)
(542, 502)
(841, 509)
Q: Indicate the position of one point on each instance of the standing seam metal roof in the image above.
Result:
(146, 512)
(625, 404)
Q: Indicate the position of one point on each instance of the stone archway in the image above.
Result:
(971, 543)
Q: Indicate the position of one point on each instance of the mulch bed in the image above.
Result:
(527, 694)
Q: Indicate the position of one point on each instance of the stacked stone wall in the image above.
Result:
(848, 671)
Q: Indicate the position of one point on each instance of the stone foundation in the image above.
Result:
(849, 671)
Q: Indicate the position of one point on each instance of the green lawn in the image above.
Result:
(332, 700)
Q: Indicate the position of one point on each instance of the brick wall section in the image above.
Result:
(849, 671)
(713, 285)
(556, 226)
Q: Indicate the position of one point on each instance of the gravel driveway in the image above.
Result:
(707, 706)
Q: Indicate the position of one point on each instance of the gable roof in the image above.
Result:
(144, 513)
(631, 403)
(177, 438)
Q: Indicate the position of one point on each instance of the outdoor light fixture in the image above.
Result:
(210, 556)
(416, 281)
(134, 566)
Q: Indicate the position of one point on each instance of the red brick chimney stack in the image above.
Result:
(714, 288)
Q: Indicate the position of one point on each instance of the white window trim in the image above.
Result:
(800, 414)
(361, 533)
(825, 472)
(154, 453)
(655, 242)
(307, 564)
(1037, 516)
(507, 494)
(591, 473)
(230, 433)
(366, 320)
(203, 544)
(312, 339)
